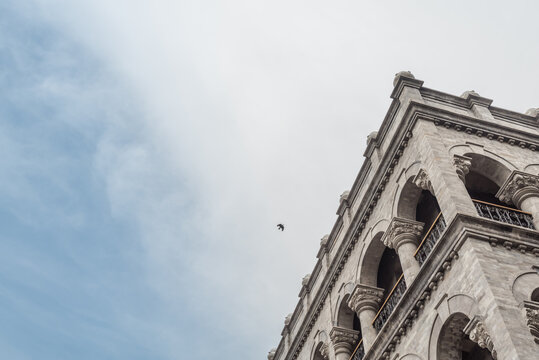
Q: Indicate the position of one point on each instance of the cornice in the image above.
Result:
(414, 112)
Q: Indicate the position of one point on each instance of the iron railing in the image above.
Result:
(391, 301)
(430, 239)
(504, 214)
(359, 352)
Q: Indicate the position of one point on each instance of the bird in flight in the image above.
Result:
(280, 227)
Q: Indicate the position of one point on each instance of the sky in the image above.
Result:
(149, 148)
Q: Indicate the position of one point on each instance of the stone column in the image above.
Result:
(403, 236)
(522, 190)
(365, 301)
(343, 341)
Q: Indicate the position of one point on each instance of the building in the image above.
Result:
(435, 252)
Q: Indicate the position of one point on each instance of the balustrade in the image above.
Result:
(429, 240)
(359, 352)
(391, 301)
(504, 214)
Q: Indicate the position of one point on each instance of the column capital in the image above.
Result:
(518, 187)
(422, 181)
(462, 165)
(324, 351)
(343, 339)
(365, 297)
(477, 332)
(401, 231)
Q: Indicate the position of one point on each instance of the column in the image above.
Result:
(403, 236)
(365, 301)
(343, 341)
(522, 190)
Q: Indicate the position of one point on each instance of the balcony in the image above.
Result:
(504, 214)
(430, 239)
(391, 302)
(359, 352)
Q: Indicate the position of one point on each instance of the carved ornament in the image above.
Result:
(477, 332)
(462, 165)
(324, 351)
(341, 336)
(401, 231)
(518, 186)
(532, 318)
(365, 297)
(422, 181)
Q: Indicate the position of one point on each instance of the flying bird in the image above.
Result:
(280, 227)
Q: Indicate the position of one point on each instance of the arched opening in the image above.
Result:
(535, 295)
(482, 188)
(389, 271)
(454, 344)
(317, 355)
(427, 210)
(347, 318)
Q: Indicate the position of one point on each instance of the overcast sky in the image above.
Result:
(149, 148)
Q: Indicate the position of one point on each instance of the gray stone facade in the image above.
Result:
(434, 254)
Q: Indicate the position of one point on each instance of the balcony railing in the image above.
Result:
(430, 239)
(391, 301)
(359, 352)
(504, 214)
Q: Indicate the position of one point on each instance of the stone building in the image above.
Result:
(435, 252)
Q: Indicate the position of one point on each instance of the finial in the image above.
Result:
(466, 94)
(407, 74)
(533, 112)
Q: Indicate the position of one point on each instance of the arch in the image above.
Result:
(474, 150)
(368, 268)
(316, 353)
(407, 192)
(532, 168)
(342, 313)
(525, 285)
(410, 357)
(459, 304)
(490, 167)
(407, 200)
(535, 295)
(454, 344)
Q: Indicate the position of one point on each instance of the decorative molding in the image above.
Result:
(518, 187)
(343, 339)
(422, 181)
(532, 318)
(401, 231)
(365, 297)
(478, 333)
(324, 351)
(462, 165)
(480, 132)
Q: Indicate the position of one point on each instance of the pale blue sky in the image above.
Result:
(150, 148)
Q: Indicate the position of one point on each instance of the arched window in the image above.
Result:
(427, 210)
(454, 344)
(389, 271)
(347, 318)
(482, 188)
